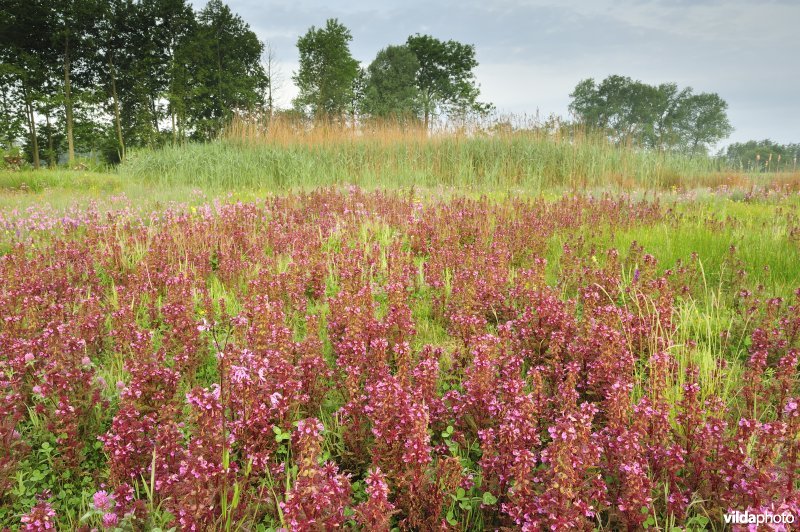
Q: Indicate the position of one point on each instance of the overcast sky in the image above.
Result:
(532, 53)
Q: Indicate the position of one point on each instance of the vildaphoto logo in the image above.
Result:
(766, 518)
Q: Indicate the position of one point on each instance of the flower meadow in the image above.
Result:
(374, 361)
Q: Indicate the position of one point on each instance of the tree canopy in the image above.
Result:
(221, 64)
(763, 155)
(102, 75)
(391, 86)
(328, 73)
(445, 80)
(661, 117)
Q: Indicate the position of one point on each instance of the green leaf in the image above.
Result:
(488, 498)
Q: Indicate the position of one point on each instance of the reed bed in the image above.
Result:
(285, 154)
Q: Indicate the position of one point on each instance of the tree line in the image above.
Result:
(415, 81)
(106, 75)
(763, 156)
(81, 76)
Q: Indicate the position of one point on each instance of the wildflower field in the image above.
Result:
(378, 360)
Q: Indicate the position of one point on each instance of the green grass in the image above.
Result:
(62, 188)
(526, 162)
(710, 227)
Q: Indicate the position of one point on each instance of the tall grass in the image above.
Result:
(286, 154)
(35, 181)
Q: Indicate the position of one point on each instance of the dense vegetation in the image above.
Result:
(279, 157)
(378, 360)
(100, 82)
(762, 156)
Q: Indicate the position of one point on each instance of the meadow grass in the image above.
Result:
(711, 227)
(35, 181)
(286, 156)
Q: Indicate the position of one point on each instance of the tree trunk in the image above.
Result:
(120, 140)
(174, 131)
(32, 129)
(68, 105)
(270, 102)
(219, 89)
(154, 111)
(51, 162)
(7, 113)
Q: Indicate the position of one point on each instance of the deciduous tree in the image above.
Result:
(327, 74)
(661, 117)
(391, 87)
(223, 70)
(445, 79)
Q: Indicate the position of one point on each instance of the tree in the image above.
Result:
(155, 89)
(445, 79)
(114, 57)
(74, 23)
(83, 75)
(11, 123)
(222, 61)
(763, 155)
(707, 121)
(658, 117)
(327, 73)
(666, 117)
(391, 88)
(27, 62)
(618, 105)
(274, 76)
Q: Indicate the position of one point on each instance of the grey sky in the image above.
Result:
(533, 52)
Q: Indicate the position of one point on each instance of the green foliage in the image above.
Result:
(101, 84)
(763, 155)
(11, 112)
(445, 80)
(658, 117)
(41, 471)
(327, 72)
(221, 58)
(139, 69)
(391, 90)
